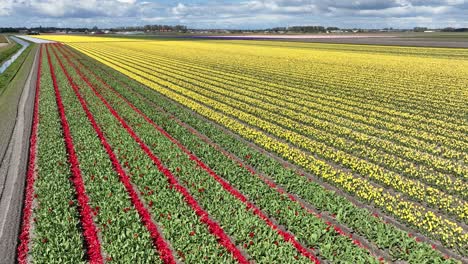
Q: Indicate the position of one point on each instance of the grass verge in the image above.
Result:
(8, 50)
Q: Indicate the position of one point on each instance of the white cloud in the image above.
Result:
(73, 8)
(6, 7)
(404, 11)
(230, 14)
(180, 9)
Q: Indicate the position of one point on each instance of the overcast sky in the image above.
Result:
(247, 14)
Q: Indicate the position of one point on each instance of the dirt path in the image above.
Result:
(13, 169)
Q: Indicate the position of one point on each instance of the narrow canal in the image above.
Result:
(8, 62)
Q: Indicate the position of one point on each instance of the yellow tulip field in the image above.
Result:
(372, 138)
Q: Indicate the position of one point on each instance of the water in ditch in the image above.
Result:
(12, 59)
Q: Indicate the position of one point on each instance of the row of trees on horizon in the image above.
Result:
(185, 29)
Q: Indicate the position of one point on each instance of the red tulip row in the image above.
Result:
(25, 235)
(199, 162)
(89, 228)
(103, 219)
(287, 236)
(148, 187)
(250, 169)
(137, 139)
(204, 216)
(158, 240)
(202, 126)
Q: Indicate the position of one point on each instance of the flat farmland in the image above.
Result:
(410, 39)
(223, 151)
(3, 39)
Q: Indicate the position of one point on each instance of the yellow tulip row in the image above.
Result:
(86, 39)
(324, 112)
(289, 65)
(449, 123)
(443, 132)
(379, 63)
(388, 113)
(451, 233)
(332, 81)
(415, 189)
(290, 107)
(443, 181)
(400, 51)
(457, 125)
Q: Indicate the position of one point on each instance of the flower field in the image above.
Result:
(246, 151)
